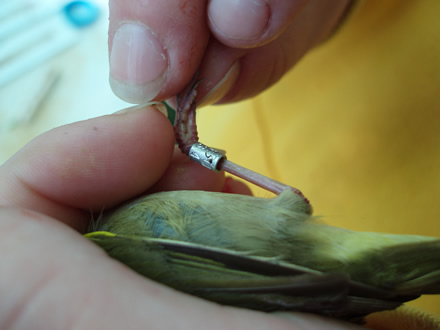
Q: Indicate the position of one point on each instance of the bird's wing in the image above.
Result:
(233, 278)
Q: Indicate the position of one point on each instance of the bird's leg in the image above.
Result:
(185, 127)
(187, 138)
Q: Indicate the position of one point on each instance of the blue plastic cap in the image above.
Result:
(81, 13)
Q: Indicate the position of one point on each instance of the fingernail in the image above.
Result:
(222, 87)
(245, 19)
(138, 63)
(157, 105)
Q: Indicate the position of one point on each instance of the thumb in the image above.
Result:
(154, 47)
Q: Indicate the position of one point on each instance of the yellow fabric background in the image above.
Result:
(355, 125)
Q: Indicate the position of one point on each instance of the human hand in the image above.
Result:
(51, 277)
(241, 47)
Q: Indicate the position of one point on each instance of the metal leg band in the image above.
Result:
(205, 156)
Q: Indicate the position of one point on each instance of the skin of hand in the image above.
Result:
(240, 47)
(51, 277)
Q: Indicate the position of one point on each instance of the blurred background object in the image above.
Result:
(53, 67)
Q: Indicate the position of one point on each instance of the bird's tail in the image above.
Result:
(407, 269)
(419, 266)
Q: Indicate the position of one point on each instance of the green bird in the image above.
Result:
(267, 254)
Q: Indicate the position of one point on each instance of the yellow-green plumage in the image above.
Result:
(277, 234)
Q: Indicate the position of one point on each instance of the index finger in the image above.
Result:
(87, 166)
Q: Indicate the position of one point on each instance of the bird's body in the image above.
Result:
(276, 232)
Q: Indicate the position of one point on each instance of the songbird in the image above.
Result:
(267, 254)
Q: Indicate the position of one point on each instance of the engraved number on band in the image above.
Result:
(205, 156)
